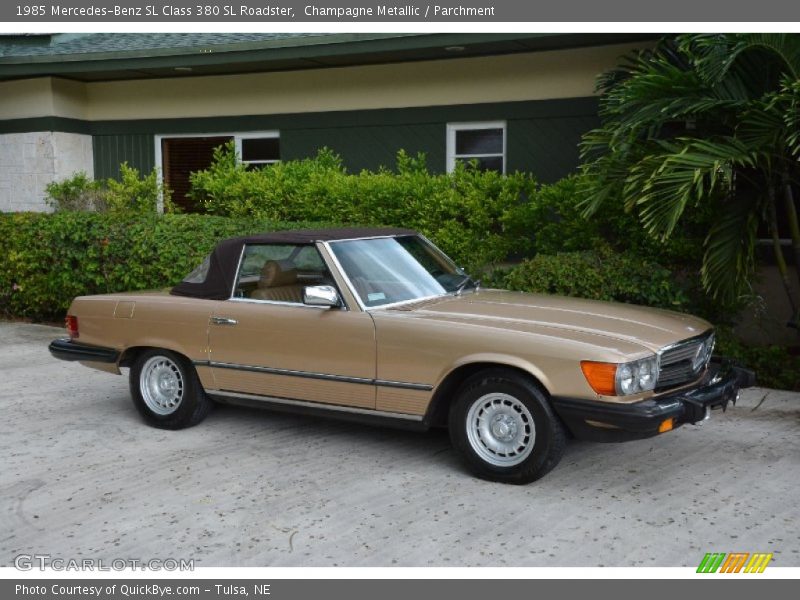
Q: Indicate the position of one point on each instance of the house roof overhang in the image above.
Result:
(277, 53)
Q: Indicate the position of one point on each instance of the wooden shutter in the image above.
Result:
(183, 156)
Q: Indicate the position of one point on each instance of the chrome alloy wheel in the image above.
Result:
(500, 429)
(161, 385)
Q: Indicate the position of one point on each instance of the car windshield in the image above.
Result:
(398, 269)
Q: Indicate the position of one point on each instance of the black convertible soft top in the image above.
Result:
(224, 259)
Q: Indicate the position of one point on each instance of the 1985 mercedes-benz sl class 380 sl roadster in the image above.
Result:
(379, 325)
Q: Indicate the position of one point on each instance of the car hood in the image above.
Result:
(651, 328)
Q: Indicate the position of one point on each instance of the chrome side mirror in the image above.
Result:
(321, 295)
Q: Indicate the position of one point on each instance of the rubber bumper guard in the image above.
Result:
(610, 421)
(67, 349)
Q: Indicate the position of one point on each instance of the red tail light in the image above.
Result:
(72, 326)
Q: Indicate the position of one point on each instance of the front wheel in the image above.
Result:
(502, 425)
(166, 391)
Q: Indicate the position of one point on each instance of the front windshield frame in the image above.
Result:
(430, 245)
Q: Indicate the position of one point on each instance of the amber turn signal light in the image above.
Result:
(601, 376)
(666, 425)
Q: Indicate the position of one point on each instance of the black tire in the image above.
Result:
(519, 407)
(189, 410)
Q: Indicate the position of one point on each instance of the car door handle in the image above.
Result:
(223, 321)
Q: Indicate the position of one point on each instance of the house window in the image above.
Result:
(259, 149)
(484, 142)
(178, 156)
(182, 156)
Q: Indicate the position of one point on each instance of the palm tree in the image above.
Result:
(704, 119)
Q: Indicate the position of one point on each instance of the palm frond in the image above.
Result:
(719, 54)
(729, 259)
(686, 172)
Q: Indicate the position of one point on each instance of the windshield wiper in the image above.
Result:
(476, 283)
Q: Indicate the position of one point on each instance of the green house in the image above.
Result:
(87, 102)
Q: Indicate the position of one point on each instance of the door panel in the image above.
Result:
(319, 347)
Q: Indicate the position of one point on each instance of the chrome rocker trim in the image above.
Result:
(311, 375)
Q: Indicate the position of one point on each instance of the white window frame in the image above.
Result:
(255, 135)
(237, 136)
(453, 128)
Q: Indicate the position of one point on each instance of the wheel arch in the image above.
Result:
(436, 415)
(130, 354)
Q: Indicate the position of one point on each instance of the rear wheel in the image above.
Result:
(502, 425)
(166, 391)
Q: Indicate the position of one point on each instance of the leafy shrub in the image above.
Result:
(78, 192)
(135, 193)
(558, 225)
(50, 258)
(476, 217)
(132, 193)
(775, 366)
(599, 274)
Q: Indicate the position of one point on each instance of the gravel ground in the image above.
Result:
(82, 476)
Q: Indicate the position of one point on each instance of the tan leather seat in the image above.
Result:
(278, 283)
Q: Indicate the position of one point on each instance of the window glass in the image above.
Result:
(261, 149)
(481, 145)
(390, 270)
(479, 141)
(279, 272)
(200, 273)
(257, 254)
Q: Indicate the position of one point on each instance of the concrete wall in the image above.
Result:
(29, 161)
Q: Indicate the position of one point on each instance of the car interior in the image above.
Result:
(279, 273)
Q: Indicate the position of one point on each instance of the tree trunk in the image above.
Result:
(794, 232)
(780, 261)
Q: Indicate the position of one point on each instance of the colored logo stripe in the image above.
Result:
(758, 562)
(711, 562)
(734, 562)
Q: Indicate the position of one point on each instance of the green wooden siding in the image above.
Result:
(110, 151)
(368, 147)
(546, 147)
(542, 136)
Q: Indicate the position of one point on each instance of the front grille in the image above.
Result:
(684, 361)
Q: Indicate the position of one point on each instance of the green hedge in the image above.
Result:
(599, 274)
(132, 192)
(476, 217)
(775, 366)
(50, 258)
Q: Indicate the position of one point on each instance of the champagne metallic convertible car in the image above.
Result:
(379, 325)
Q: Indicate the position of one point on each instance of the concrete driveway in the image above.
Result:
(82, 476)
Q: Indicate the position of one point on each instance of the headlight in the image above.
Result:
(646, 374)
(625, 379)
(621, 379)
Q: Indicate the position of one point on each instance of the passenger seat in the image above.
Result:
(278, 283)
